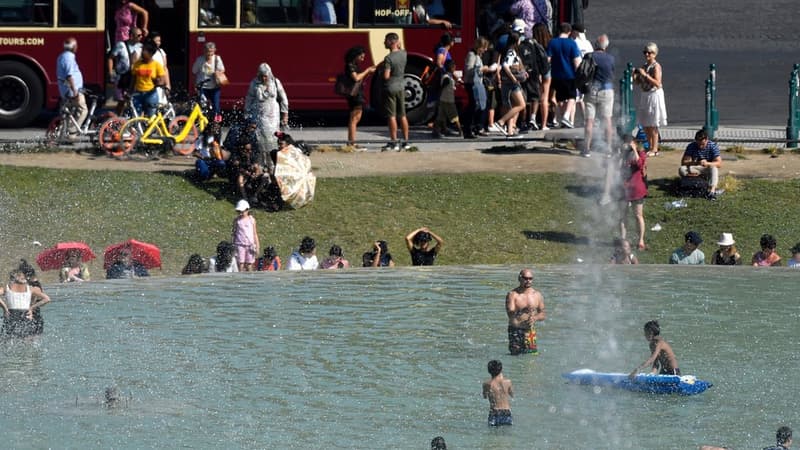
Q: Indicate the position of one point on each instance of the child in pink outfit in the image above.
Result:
(245, 237)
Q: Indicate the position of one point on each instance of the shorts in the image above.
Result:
(394, 104)
(508, 90)
(245, 254)
(522, 340)
(674, 371)
(599, 103)
(493, 98)
(500, 417)
(565, 89)
(354, 102)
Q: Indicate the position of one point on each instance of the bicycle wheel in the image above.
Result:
(110, 138)
(188, 145)
(55, 132)
(98, 120)
(130, 134)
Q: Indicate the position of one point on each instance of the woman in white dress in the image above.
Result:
(651, 108)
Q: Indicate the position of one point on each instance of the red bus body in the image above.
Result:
(304, 56)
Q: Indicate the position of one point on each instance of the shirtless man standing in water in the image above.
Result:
(524, 306)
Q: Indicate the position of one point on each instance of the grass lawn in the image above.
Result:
(484, 219)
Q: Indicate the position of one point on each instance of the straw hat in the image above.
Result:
(726, 239)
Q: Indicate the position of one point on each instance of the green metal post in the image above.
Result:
(794, 108)
(627, 109)
(711, 114)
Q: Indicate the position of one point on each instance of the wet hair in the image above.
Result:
(111, 396)
(353, 53)
(336, 251)
(564, 28)
(783, 435)
(26, 269)
(495, 367)
(767, 241)
(438, 443)
(701, 134)
(652, 328)
(307, 244)
(422, 237)
(225, 251)
(196, 264)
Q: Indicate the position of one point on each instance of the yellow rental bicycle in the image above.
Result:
(179, 136)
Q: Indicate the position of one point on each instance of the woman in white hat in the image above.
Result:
(726, 255)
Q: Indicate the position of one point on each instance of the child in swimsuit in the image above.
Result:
(662, 358)
(498, 391)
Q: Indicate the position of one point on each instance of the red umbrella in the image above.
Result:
(145, 254)
(54, 257)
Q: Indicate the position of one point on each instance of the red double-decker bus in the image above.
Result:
(305, 55)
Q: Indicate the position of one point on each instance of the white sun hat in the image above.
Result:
(726, 239)
(242, 205)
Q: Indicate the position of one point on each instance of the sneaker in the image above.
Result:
(545, 128)
(391, 147)
(586, 154)
(496, 127)
(404, 147)
(565, 123)
(711, 196)
(533, 126)
(483, 133)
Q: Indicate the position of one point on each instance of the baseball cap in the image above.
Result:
(242, 205)
(518, 25)
(693, 237)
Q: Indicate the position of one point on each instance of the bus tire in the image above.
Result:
(416, 95)
(21, 94)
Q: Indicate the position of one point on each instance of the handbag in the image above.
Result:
(219, 75)
(345, 86)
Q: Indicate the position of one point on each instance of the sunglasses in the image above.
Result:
(647, 52)
(526, 278)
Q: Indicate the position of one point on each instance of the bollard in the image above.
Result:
(627, 108)
(711, 114)
(794, 108)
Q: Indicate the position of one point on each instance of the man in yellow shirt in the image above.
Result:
(147, 73)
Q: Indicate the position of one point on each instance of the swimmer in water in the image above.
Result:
(662, 359)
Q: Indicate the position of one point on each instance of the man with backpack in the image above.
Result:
(599, 98)
(534, 56)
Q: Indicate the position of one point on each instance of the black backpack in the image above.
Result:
(584, 74)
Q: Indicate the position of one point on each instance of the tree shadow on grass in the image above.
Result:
(219, 188)
(585, 190)
(518, 149)
(563, 237)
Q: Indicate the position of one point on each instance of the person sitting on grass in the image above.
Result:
(767, 257)
(335, 259)
(74, 268)
(689, 253)
(211, 157)
(225, 259)
(126, 267)
(702, 157)
(726, 255)
(795, 261)
(270, 261)
(622, 253)
(662, 358)
(418, 244)
(379, 256)
(196, 264)
(247, 173)
(305, 257)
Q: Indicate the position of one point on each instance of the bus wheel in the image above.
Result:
(417, 110)
(21, 94)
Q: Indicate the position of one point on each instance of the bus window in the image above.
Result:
(76, 13)
(216, 13)
(26, 12)
(266, 13)
(407, 12)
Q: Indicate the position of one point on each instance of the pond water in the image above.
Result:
(389, 359)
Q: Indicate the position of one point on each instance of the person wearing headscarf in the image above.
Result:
(266, 102)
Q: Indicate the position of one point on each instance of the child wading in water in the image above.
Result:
(245, 237)
(662, 359)
(499, 392)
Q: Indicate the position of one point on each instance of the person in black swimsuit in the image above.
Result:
(418, 243)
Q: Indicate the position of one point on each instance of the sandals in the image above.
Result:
(652, 153)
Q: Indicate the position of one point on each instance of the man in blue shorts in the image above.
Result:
(565, 57)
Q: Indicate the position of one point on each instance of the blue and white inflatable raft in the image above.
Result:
(654, 384)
